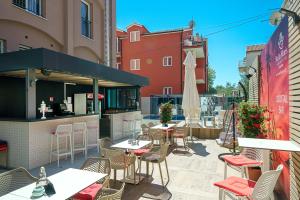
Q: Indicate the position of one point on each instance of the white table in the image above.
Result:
(164, 128)
(66, 184)
(266, 145)
(126, 145)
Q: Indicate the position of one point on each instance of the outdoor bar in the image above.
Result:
(71, 89)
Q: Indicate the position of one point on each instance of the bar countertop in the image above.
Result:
(47, 119)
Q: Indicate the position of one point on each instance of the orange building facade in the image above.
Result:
(159, 56)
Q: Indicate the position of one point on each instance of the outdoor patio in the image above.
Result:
(192, 173)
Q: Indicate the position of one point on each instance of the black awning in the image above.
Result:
(53, 61)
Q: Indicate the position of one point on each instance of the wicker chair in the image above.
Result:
(181, 132)
(119, 160)
(249, 157)
(157, 157)
(15, 179)
(151, 124)
(100, 165)
(240, 188)
(111, 194)
(158, 137)
(145, 129)
(104, 143)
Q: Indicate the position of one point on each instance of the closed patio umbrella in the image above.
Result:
(190, 99)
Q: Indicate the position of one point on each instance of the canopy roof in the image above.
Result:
(62, 67)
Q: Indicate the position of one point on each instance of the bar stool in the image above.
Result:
(63, 132)
(92, 134)
(79, 135)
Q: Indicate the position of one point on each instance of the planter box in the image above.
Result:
(206, 133)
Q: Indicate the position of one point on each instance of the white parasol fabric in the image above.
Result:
(190, 99)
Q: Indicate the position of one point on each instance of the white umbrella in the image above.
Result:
(190, 99)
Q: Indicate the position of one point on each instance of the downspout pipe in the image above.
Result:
(107, 33)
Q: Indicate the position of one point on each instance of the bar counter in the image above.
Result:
(29, 140)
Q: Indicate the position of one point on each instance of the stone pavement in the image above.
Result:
(192, 175)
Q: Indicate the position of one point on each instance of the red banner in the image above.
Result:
(274, 93)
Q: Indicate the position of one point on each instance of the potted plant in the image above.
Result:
(251, 124)
(165, 113)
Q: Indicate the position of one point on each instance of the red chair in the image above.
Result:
(248, 158)
(240, 188)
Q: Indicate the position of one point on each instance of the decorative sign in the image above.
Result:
(274, 93)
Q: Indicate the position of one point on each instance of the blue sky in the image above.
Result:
(225, 48)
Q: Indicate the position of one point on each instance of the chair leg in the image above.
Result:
(225, 169)
(167, 171)
(51, 148)
(140, 169)
(57, 149)
(115, 175)
(147, 168)
(71, 149)
(162, 180)
(221, 194)
(134, 173)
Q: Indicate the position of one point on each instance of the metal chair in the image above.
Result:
(240, 188)
(183, 133)
(100, 165)
(111, 194)
(104, 143)
(62, 132)
(79, 134)
(249, 157)
(15, 179)
(157, 157)
(119, 160)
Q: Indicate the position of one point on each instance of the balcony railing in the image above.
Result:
(86, 29)
(33, 6)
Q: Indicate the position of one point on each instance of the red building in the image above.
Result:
(159, 56)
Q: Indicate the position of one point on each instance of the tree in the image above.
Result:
(227, 89)
(211, 79)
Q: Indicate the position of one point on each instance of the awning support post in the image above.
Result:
(30, 94)
(95, 95)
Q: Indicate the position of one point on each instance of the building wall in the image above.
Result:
(150, 50)
(59, 29)
(294, 85)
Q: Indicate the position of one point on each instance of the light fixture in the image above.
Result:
(292, 14)
(45, 72)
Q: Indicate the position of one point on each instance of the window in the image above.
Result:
(118, 65)
(118, 45)
(135, 64)
(167, 61)
(24, 47)
(86, 19)
(33, 6)
(167, 90)
(134, 36)
(2, 46)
